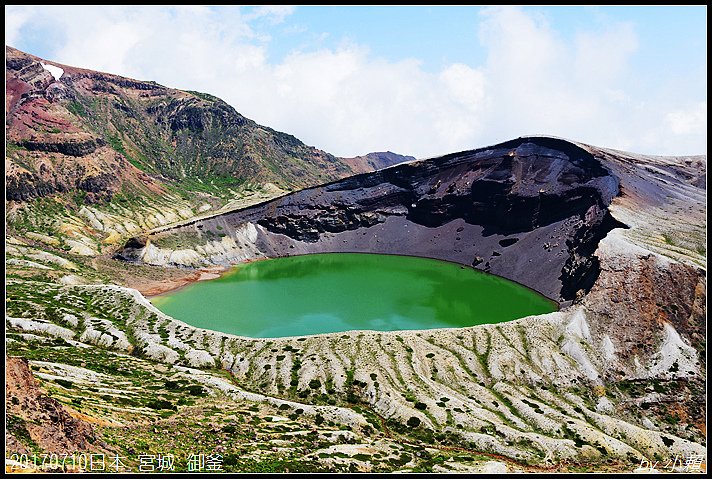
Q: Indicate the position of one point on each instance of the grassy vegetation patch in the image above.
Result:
(77, 109)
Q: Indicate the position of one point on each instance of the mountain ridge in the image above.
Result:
(616, 375)
(154, 135)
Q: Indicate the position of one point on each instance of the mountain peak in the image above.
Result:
(69, 126)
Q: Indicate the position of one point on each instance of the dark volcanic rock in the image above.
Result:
(71, 148)
(25, 186)
(131, 251)
(532, 210)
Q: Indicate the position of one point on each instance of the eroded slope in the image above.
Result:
(616, 375)
(531, 210)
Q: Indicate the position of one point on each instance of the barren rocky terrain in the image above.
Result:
(616, 375)
(632, 303)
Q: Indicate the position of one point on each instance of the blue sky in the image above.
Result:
(416, 80)
(441, 35)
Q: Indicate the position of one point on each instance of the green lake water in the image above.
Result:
(323, 293)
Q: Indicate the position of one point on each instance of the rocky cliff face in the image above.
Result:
(617, 374)
(97, 132)
(94, 158)
(618, 238)
(531, 210)
(36, 419)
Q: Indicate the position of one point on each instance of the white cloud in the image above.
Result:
(349, 101)
(466, 84)
(541, 84)
(690, 121)
(275, 14)
(601, 57)
(15, 18)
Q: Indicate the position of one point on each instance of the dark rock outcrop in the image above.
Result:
(71, 148)
(24, 186)
(131, 250)
(532, 210)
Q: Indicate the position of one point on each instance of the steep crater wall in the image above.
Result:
(531, 210)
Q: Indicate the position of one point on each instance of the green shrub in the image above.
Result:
(413, 422)
(64, 383)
